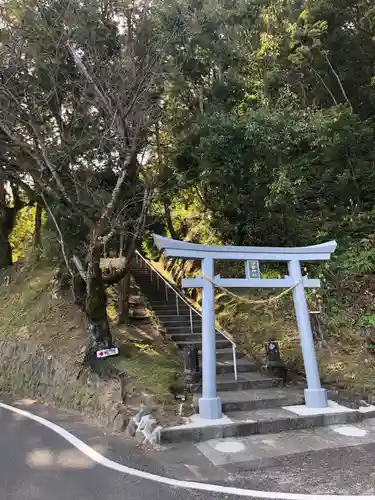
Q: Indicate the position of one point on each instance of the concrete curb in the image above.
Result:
(247, 428)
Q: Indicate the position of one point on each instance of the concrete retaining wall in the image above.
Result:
(28, 370)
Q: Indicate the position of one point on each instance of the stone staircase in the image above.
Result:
(252, 404)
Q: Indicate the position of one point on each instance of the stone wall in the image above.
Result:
(28, 370)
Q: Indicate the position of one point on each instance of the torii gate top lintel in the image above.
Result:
(183, 249)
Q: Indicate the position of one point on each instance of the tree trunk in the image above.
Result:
(38, 226)
(123, 300)
(79, 291)
(2, 193)
(6, 226)
(168, 217)
(98, 331)
(6, 257)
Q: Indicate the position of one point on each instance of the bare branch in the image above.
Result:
(338, 80)
(17, 141)
(116, 191)
(47, 161)
(62, 244)
(116, 277)
(82, 68)
(320, 78)
(77, 262)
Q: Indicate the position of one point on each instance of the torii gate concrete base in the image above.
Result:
(210, 403)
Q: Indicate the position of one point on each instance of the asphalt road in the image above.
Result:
(38, 464)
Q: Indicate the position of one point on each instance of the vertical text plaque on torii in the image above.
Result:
(210, 403)
(252, 270)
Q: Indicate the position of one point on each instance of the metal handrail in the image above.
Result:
(191, 307)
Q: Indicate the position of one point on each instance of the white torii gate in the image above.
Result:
(210, 403)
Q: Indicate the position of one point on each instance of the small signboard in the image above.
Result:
(104, 353)
(252, 269)
(112, 263)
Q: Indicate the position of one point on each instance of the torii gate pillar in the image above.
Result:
(315, 395)
(209, 403)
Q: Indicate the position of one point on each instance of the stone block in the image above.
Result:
(120, 423)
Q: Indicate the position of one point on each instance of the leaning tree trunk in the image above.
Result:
(37, 241)
(123, 300)
(6, 226)
(7, 220)
(6, 258)
(99, 334)
(168, 217)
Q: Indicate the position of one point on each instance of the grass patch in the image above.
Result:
(153, 372)
(24, 302)
(343, 358)
(147, 359)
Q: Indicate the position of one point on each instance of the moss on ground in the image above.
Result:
(23, 303)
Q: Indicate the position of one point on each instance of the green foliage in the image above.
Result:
(21, 238)
(359, 260)
(367, 320)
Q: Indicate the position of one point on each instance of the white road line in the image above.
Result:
(213, 488)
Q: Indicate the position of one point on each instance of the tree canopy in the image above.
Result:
(256, 117)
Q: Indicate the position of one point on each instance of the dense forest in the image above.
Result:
(226, 121)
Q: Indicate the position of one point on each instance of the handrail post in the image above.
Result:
(234, 362)
(177, 309)
(191, 321)
(166, 291)
(157, 280)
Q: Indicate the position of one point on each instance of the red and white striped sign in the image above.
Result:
(104, 353)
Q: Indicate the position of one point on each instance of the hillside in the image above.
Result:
(40, 316)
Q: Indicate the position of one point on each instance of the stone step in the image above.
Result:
(257, 399)
(167, 309)
(250, 380)
(192, 336)
(143, 280)
(179, 320)
(226, 366)
(264, 421)
(198, 343)
(166, 305)
(184, 329)
(157, 294)
(160, 312)
(183, 316)
(169, 306)
(222, 354)
(162, 301)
